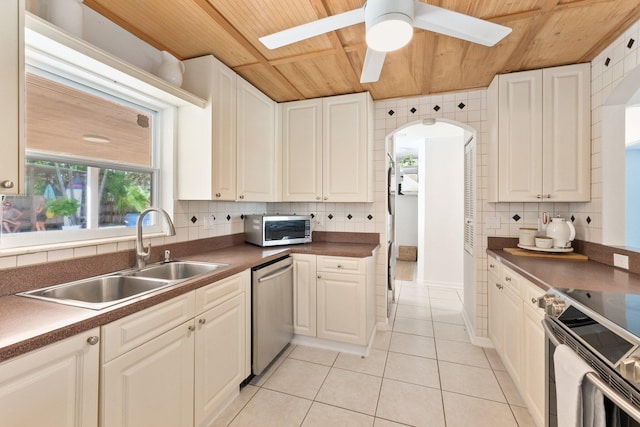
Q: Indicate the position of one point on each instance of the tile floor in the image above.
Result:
(424, 372)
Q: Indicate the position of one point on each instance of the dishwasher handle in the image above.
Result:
(275, 274)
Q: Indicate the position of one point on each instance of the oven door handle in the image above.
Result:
(595, 379)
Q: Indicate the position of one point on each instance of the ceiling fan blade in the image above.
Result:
(454, 24)
(372, 67)
(312, 29)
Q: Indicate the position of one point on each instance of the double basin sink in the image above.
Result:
(103, 291)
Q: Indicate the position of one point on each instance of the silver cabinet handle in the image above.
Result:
(318, 198)
(492, 266)
(202, 321)
(538, 196)
(241, 196)
(93, 340)
(508, 279)
(7, 184)
(534, 300)
(192, 328)
(218, 195)
(319, 277)
(499, 286)
(326, 198)
(548, 196)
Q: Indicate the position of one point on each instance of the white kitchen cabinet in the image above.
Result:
(532, 372)
(12, 95)
(55, 386)
(540, 140)
(328, 149)
(516, 331)
(258, 150)
(206, 149)
(222, 349)
(345, 299)
(151, 385)
(302, 151)
(304, 294)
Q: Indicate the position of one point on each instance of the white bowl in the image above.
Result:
(544, 242)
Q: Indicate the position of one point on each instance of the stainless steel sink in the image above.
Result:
(103, 291)
(177, 270)
(98, 292)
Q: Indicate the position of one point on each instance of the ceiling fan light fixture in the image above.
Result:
(389, 32)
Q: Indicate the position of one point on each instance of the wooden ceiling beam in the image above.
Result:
(514, 63)
(233, 32)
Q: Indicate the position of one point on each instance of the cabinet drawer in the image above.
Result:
(132, 331)
(530, 295)
(347, 265)
(494, 266)
(512, 281)
(218, 292)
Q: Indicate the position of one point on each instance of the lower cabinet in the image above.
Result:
(177, 375)
(55, 386)
(334, 298)
(516, 331)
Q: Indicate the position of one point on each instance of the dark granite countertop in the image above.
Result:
(27, 324)
(564, 273)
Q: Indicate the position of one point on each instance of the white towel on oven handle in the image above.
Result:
(580, 403)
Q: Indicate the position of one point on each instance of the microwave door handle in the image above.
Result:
(598, 383)
(276, 274)
(614, 396)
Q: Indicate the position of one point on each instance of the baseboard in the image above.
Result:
(475, 340)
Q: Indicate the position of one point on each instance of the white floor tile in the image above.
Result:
(270, 408)
(412, 369)
(444, 293)
(446, 304)
(443, 315)
(494, 359)
(413, 344)
(509, 388)
(413, 326)
(447, 331)
(235, 407)
(465, 411)
(314, 355)
(471, 381)
(382, 340)
(372, 365)
(410, 404)
(321, 415)
(409, 299)
(297, 377)
(522, 417)
(414, 312)
(461, 352)
(381, 422)
(351, 390)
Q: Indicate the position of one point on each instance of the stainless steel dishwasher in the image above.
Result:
(272, 311)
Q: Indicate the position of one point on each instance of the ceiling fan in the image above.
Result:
(389, 25)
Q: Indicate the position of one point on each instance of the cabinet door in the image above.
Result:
(520, 137)
(56, 386)
(304, 294)
(257, 150)
(219, 357)
(206, 152)
(347, 149)
(512, 338)
(495, 322)
(567, 133)
(532, 375)
(12, 95)
(151, 385)
(341, 305)
(302, 151)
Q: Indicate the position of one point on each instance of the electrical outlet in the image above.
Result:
(209, 221)
(621, 261)
(318, 220)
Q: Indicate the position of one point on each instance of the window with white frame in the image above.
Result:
(92, 164)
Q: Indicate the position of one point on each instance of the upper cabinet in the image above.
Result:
(207, 137)
(228, 150)
(540, 138)
(12, 95)
(328, 149)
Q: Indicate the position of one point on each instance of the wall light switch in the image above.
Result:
(493, 222)
(621, 261)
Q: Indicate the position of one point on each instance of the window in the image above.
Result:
(90, 168)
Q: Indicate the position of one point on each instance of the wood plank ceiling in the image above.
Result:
(545, 33)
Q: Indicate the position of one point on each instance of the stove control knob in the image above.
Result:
(630, 369)
(546, 301)
(556, 308)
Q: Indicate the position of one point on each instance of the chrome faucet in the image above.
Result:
(143, 255)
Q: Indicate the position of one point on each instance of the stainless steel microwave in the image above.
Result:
(274, 230)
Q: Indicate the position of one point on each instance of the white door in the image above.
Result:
(151, 385)
(341, 305)
(302, 151)
(304, 294)
(219, 357)
(532, 374)
(55, 386)
(257, 150)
